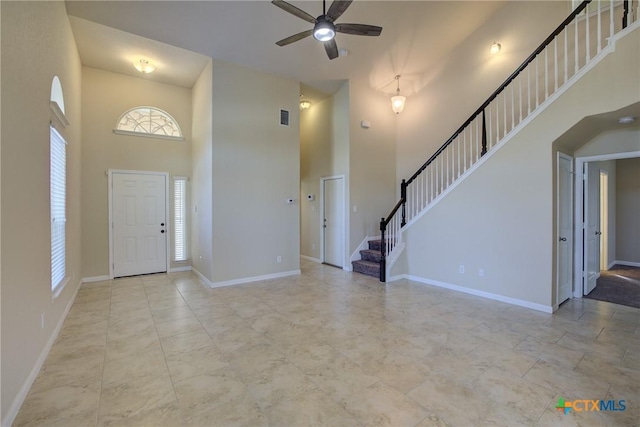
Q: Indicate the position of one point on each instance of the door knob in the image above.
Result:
(162, 224)
(162, 231)
(598, 233)
(563, 239)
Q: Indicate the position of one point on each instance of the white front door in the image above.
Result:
(591, 229)
(333, 221)
(139, 223)
(565, 228)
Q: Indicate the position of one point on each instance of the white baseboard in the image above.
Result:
(626, 263)
(488, 295)
(310, 258)
(95, 279)
(24, 390)
(253, 279)
(201, 276)
(179, 269)
(611, 264)
(395, 278)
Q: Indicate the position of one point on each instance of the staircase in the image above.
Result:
(369, 263)
(584, 38)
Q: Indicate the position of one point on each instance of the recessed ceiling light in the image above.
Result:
(626, 120)
(144, 66)
(495, 48)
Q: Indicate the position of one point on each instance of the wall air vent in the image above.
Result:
(284, 117)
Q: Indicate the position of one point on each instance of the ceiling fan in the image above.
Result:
(325, 28)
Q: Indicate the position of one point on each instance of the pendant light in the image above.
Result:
(397, 102)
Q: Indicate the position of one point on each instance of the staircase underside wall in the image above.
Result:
(501, 217)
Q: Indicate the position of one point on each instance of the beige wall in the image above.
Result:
(372, 153)
(612, 141)
(37, 44)
(324, 152)
(105, 96)
(628, 210)
(501, 217)
(316, 136)
(202, 174)
(442, 97)
(256, 168)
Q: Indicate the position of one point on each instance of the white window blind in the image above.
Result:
(179, 218)
(58, 195)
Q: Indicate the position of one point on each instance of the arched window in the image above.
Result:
(150, 122)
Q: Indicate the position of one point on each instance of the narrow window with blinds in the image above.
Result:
(179, 219)
(58, 195)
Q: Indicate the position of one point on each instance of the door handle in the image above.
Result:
(162, 231)
(598, 233)
(563, 239)
(162, 224)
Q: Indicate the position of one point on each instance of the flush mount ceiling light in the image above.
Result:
(304, 104)
(626, 120)
(495, 48)
(397, 102)
(144, 66)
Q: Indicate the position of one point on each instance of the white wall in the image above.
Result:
(202, 173)
(105, 96)
(501, 217)
(628, 210)
(37, 44)
(256, 168)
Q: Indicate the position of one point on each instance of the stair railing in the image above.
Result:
(560, 57)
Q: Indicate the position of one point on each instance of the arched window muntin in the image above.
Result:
(150, 122)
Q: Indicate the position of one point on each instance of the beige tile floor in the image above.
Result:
(329, 348)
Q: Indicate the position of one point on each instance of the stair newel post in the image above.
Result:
(484, 135)
(403, 196)
(383, 259)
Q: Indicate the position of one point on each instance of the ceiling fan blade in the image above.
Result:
(294, 10)
(332, 48)
(359, 29)
(294, 38)
(337, 8)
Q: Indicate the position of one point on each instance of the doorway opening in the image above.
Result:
(595, 207)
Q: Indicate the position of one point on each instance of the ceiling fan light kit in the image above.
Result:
(325, 28)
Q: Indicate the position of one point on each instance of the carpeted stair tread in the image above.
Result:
(375, 245)
(367, 267)
(371, 255)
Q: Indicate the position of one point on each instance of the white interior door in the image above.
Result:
(591, 230)
(565, 228)
(333, 221)
(139, 223)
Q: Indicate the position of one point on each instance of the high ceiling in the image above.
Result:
(416, 35)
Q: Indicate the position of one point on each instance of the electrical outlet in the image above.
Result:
(461, 269)
(279, 258)
(481, 272)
